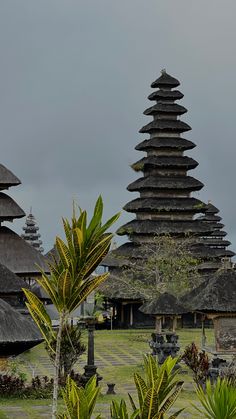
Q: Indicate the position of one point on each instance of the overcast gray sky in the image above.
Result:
(74, 81)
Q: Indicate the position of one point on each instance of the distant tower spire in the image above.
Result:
(31, 233)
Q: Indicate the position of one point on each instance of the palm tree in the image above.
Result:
(70, 280)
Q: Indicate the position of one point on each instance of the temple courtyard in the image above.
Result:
(118, 354)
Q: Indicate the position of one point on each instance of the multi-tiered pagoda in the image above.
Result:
(15, 253)
(165, 204)
(31, 233)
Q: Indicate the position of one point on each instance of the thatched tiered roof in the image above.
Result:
(9, 209)
(217, 295)
(10, 283)
(18, 333)
(7, 178)
(165, 205)
(18, 256)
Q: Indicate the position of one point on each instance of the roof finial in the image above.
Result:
(163, 71)
(31, 210)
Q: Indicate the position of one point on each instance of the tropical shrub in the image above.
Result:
(79, 401)
(70, 280)
(11, 385)
(217, 401)
(71, 348)
(157, 391)
(198, 362)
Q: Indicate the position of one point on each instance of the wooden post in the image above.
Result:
(131, 319)
(122, 314)
(174, 323)
(203, 333)
(158, 324)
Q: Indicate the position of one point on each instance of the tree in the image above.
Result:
(164, 265)
(70, 280)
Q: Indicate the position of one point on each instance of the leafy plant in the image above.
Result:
(70, 280)
(119, 410)
(198, 362)
(159, 389)
(80, 402)
(218, 401)
(71, 348)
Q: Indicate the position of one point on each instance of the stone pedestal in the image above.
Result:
(164, 345)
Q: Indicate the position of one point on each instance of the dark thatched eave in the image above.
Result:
(165, 304)
(7, 178)
(219, 294)
(158, 205)
(173, 143)
(18, 256)
(166, 125)
(161, 227)
(17, 332)
(10, 283)
(9, 209)
(166, 95)
(169, 108)
(166, 183)
(170, 162)
(165, 80)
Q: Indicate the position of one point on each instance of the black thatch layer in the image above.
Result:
(165, 304)
(174, 162)
(170, 108)
(177, 143)
(170, 183)
(165, 125)
(19, 256)
(211, 209)
(17, 332)
(153, 227)
(210, 217)
(165, 205)
(7, 178)
(9, 209)
(219, 294)
(165, 95)
(10, 283)
(218, 233)
(211, 241)
(207, 252)
(165, 80)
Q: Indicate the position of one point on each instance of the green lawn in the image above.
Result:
(118, 354)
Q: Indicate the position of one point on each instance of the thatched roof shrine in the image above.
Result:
(18, 333)
(164, 304)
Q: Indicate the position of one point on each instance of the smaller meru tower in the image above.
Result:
(31, 232)
(166, 204)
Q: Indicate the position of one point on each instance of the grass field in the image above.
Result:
(118, 354)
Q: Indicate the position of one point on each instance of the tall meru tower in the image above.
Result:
(165, 204)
